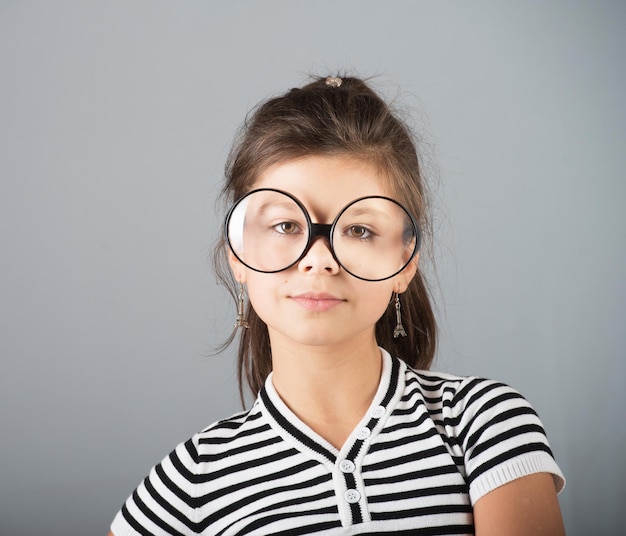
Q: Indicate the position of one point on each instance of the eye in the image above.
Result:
(358, 231)
(287, 227)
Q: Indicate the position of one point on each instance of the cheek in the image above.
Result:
(262, 291)
(376, 298)
(256, 291)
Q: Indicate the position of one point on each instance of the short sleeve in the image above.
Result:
(501, 436)
(163, 503)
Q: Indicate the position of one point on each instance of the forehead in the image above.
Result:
(325, 184)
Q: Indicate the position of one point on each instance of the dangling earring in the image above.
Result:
(241, 322)
(399, 331)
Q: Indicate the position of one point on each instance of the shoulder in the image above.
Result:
(488, 425)
(189, 476)
(230, 427)
(467, 407)
(198, 474)
(221, 437)
(457, 395)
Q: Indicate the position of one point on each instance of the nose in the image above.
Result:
(319, 258)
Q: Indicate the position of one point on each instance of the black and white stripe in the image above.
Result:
(429, 447)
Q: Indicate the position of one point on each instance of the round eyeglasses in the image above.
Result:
(372, 238)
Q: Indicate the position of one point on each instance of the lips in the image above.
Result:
(313, 301)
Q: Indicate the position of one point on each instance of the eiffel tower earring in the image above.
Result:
(241, 321)
(399, 330)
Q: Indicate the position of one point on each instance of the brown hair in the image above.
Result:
(326, 119)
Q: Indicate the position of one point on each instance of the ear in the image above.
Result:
(238, 269)
(403, 279)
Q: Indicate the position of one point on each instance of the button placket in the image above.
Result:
(377, 412)
(347, 466)
(352, 496)
(349, 483)
(363, 433)
(349, 475)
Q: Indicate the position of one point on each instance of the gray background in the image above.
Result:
(115, 120)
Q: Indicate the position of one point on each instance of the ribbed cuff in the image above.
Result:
(540, 462)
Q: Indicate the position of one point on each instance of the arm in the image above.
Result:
(527, 506)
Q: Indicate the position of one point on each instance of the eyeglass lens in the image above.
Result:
(372, 238)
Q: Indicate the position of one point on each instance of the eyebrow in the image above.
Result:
(269, 205)
(366, 211)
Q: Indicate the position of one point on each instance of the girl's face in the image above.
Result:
(316, 302)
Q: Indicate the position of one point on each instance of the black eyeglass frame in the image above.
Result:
(324, 230)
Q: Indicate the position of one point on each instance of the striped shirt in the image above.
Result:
(429, 447)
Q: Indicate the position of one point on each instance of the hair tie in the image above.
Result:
(333, 81)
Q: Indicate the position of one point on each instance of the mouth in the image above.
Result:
(317, 302)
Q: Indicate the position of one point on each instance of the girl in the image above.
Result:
(350, 433)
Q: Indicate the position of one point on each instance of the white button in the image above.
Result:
(363, 433)
(352, 496)
(347, 466)
(378, 412)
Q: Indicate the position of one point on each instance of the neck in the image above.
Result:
(328, 388)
